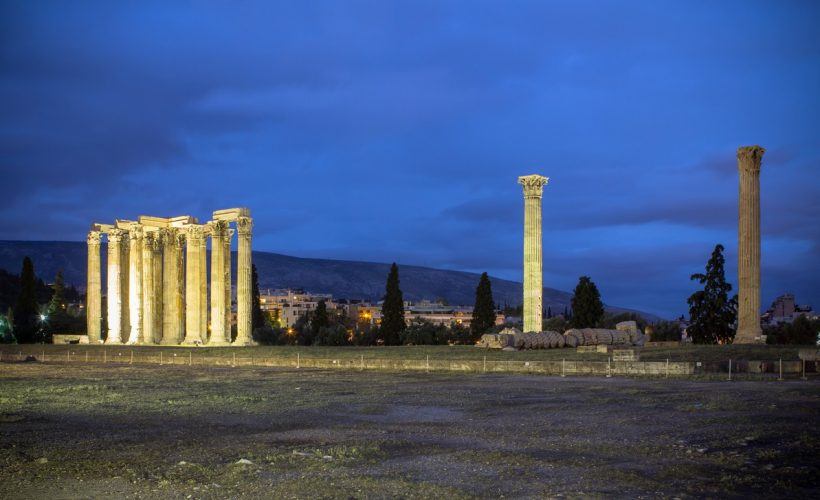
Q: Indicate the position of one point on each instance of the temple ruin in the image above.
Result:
(157, 280)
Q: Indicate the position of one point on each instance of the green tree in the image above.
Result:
(665, 331)
(58, 320)
(26, 313)
(257, 316)
(587, 308)
(392, 310)
(319, 319)
(7, 328)
(484, 308)
(712, 313)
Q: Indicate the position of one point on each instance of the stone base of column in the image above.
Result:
(243, 343)
(218, 344)
(195, 342)
(112, 341)
(749, 337)
(169, 342)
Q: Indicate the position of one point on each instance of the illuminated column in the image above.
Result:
(125, 323)
(180, 303)
(93, 306)
(219, 231)
(203, 287)
(170, 288)
(748, 247)
(158, 288)
(193, 291)
(114, 299)
(148, 288)
(227, 255)
(243, 283)
(135, 241)
(533, 274)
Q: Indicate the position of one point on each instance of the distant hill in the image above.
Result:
(342, 278)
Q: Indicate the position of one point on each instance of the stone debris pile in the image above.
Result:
(625, 333)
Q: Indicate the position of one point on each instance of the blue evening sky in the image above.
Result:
(395, 130)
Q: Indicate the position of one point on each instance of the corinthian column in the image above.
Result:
(219, 230)
(93, 294)
(125, 278)
(227, 255)
(748, 246)
(244, 294)
(203, 287)
(533, 273)
(148, 289)
(170, 288)
(193, 295)
(158, 288)
(115, 237)
(135, 283)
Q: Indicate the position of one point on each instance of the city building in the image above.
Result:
(785, 309)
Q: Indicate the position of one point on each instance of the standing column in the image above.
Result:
(158, 288)
(180, 305)
(244, 295)
(114, 299)
(125, 278)
(148, 289)
(193, 333)
(748, 246)
(219, 230)
(203, 287)
(93, 294)
(135, 283)
(533, 273)
(228, 301)
(170, 288)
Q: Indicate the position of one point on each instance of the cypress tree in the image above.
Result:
(57, 318)
(484, 308)
(587, 308)
(26, 315)
(319, 319)
(392, 310)
(549, 312)
(257, 316)
(712, 313)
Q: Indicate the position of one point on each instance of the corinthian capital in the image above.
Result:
(135, 231)
(218, 229)
(533, 185)
(195, 233)
(116, 236)
(93, 238)
(749, 157)
(244, 225)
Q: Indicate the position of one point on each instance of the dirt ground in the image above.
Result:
(70, 431)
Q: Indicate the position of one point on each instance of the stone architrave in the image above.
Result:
(219, 230)
(135, 299)
(243, 283)
(533, 186)
(148, 288)
(170, 288)
(193, 335)
(93, 306)
(227, 283)
(748, 235)
(114, 288)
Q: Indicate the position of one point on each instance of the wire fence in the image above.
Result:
(778, 369)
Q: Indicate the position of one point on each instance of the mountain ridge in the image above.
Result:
(342, 278)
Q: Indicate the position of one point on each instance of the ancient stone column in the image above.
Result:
(114, 298)
(219, 230)
(180, 305)
(93, 304)
(203, 287)
(227, 282)
(125, 278)
(244, 295)
(148, 288)
(135, 242)
(533, 274)
(193, 292)
(158, 288)
(748, 246)
(170, 288)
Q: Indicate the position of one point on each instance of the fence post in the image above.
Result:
(427, 365)
(44, 356)
(233, 363)
(20, 356)
(667, 367)
(105, 356)
(781, 370)
(68, 355)
(160, 358)
(563, 367)
(190, 359)
(131, 361)
(298, 360)
(485, 364)
(730, 369)
(608, 367)
(361, 362)
(804, 369)
(86, 356)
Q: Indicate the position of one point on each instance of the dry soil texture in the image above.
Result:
(194, 432)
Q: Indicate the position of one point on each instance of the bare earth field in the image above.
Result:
(77, 430)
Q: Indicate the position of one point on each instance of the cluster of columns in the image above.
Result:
(157, 280)
(533, 186)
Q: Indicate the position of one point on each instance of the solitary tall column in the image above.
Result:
(748, 246)
(114, 299)
(93, 305)
(219, 231)
(533, 274)
(227, 255)
(135, 283)
(170, 288)
(148, 298)
(193, 334)
(244, 293)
